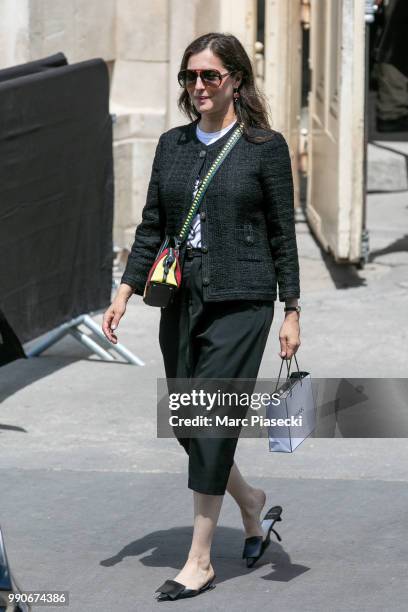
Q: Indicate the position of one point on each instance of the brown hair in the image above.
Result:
(251, 107)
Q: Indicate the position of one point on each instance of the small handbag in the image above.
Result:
(164, 277)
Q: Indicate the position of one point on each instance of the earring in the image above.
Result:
(236, 94)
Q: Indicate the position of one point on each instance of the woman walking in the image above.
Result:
(241, 244)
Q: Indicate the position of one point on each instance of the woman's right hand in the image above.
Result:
(115, 312)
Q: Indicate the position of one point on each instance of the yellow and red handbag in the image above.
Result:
(164, 276)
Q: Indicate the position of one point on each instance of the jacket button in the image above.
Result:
(206, 281)
(249, 239)
(202, 154)
(203, 215)
(204, 249)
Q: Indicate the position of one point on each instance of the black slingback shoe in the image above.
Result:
(255, 546)
(171, 590)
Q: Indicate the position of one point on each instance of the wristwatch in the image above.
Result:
(289, 308)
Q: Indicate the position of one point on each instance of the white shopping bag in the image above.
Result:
(297, 407)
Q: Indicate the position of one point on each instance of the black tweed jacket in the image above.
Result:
(247, 215)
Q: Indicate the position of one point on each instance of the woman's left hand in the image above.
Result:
(289, 335)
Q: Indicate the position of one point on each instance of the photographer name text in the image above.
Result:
(225, 421)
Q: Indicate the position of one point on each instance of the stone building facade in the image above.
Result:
(142, 42)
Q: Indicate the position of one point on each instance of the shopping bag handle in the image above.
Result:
(288, 366)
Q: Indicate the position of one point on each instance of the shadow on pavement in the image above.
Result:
(168, 548)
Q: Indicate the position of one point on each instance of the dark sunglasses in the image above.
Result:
(213, 78)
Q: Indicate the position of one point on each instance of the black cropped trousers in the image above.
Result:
(211, 340)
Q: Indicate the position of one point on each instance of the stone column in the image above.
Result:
(14, 32)
(139, 98)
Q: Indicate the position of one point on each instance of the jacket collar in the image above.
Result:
(215, 145)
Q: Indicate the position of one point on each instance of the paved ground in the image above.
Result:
(92, 502)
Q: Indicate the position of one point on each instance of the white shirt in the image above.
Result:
(194, 236)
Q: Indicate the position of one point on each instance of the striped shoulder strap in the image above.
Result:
(232, 141)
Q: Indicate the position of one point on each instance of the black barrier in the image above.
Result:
(40, 65)
(56, 195)
(10, 346)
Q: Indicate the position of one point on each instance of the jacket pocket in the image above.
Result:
(247, 243)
